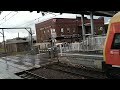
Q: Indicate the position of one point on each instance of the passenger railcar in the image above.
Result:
(111, 63)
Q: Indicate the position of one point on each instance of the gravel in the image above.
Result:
(61, 71)
(52, 74)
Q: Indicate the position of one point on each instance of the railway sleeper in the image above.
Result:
(29, 75)
(78, 74)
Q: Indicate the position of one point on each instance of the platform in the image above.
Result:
(7, 73)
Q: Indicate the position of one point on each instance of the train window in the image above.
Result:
(116, 41)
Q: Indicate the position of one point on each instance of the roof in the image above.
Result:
(17, 41)
(68, 18)
(96, 13)
(77, 11)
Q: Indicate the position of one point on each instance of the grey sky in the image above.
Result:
(27, 19)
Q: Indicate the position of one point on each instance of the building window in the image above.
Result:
(41, 28)
(44, 31)
(73, 29)
(53, 30)
(68, 30)
(62, 30)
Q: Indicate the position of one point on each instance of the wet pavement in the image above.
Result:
(10, 65)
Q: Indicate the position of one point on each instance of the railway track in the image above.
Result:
(86, 73)
(29, 75)
(76, 74)
(60, 67)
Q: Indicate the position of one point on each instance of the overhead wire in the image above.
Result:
(9, 18)
(34, 20)
(28, 22)
(39, 18)
(6, 16)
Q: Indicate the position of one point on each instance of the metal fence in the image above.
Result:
(90, 44)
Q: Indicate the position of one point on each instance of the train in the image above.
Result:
(111, 51)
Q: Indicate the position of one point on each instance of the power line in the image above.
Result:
(9, 18)
(6, 16)
(28, 22)
(35, 19)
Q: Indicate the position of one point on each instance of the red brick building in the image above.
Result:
(66, 28)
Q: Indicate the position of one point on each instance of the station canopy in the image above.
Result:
(96, 13)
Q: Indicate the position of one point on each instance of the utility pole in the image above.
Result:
(31, 39)
(31, 43)
(53, 36)
(77, 25)
(83, 30)
(3, 40)
(92, 24)
(51, 52)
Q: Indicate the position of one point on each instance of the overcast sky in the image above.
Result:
(9, 19)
